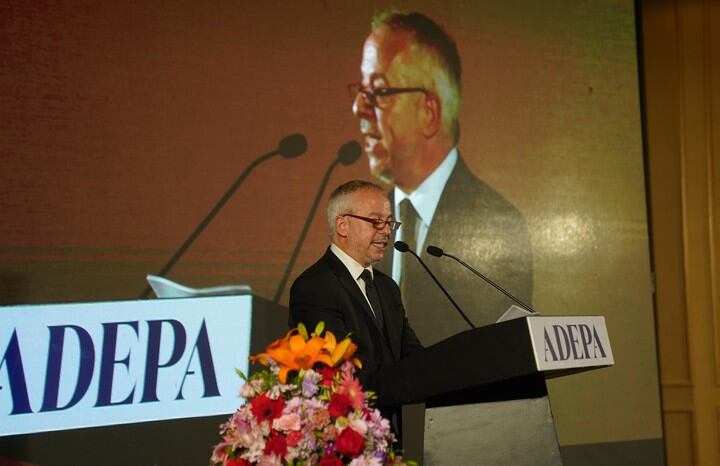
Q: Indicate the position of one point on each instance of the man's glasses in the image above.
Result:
(376, 97)
(376, 222)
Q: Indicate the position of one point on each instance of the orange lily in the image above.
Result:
(298, 351)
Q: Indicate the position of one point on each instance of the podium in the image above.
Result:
(485, 391)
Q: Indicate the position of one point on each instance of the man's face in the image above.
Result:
(359, 238)
(392, 129)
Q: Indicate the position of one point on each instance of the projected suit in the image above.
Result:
(477, 224)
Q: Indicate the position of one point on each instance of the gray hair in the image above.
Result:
(441, 67)
(340, 201)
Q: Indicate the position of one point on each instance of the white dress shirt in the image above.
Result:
(354, 268)
(425, 200)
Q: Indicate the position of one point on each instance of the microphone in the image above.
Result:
(292, 146)
(348, 154)
(437, 252)
(289, 147)
(403, 247)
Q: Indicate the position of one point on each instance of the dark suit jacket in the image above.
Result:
(478, 225)
(327, 292)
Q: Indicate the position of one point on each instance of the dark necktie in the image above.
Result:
(372, 295)
(409, 219)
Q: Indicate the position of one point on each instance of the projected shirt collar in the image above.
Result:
(425, 200)
(426, 197)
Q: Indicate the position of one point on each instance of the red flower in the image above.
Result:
(328, 373)
(330, 460)
(266, 409)
(237, 462)
(350, 443)
(293, 438)
(339, 405)
(276, 444)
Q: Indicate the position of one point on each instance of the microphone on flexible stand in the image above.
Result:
(289, 147)
(403, 248)
(348, 154)
(438, 252)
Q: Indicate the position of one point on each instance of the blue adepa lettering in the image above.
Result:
(573, 341)
(159, 331)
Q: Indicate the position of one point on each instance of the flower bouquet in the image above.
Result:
(307, 409)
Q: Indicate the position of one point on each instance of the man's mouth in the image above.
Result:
(381, 243)
(371, 141)
(370, 135)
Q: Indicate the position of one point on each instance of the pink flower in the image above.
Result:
(366, 460)
(219, 454)
(287, 422)
(359, 426)
(318, 419)
(294, 438)
(250, 389)
(270, 460)
(329, 433)
(350, 387)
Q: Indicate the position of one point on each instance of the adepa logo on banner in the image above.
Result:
(66, 366)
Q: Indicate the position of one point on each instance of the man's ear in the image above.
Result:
(341, 226)
(432, 114)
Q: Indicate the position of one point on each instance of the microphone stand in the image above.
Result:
(403, 247)
(290, 146)
(437, 252)
(347, 155)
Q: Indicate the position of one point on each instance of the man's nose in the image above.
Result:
(361, 108)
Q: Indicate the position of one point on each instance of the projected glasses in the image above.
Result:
(379, 97)
(376, 222)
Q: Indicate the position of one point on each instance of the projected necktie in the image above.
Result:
(372, 296)
(408, 217)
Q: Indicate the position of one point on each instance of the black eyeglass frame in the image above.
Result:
(371, 94)
(376, 222)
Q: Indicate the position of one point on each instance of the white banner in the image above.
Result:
(66, 366)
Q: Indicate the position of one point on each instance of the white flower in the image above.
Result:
(366, 460)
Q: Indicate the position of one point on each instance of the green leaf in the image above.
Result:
(319, 328)
(303, 331)
(241, 374)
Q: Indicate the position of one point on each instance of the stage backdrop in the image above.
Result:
(123, 123)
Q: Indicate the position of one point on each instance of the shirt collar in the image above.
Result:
(351, 264)
(426, 197)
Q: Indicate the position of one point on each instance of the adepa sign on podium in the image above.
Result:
(66, 366)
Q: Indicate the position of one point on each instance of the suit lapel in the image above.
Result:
(386, 301)
(348, 282)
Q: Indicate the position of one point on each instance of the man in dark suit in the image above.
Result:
(344, 290)
(408, 105)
